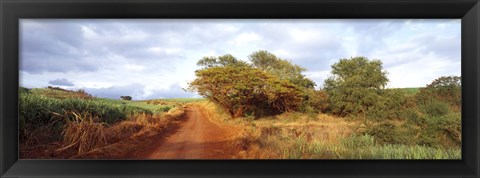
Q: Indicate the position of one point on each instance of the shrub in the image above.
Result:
(413, 116)
(355, 86)
(444, 89)
(436, 108)
(385, 133)
(314, 101)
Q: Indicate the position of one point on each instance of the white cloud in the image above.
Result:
(245, 38)
(134, 68)
(161, 50)
(89, 32)
(419, 73)
(156, 58)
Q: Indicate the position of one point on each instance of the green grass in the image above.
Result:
(38, 112)
(57, 93)
(176, 100)
(184, 99)
(41, 108)
(364, 147)
(408, 91)
(156, 109)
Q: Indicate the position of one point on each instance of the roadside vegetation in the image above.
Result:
(68, 123)
(352, 116)
(281, 114)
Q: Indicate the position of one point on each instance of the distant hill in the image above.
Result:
(57, 92)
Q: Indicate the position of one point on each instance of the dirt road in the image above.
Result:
(195, 138)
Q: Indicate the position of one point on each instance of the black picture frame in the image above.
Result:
(13, 10)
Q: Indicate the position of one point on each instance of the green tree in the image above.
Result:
(315, 101)
(446, 89)
(126, 97)
(282, 68)
(225, 60)
(356, 87)
(244, 89)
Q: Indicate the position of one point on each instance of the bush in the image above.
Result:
(414, 117)
(451, 127)
(444, 89)
(355, 87)
(386, 133)
(314, 101)
(436, 108)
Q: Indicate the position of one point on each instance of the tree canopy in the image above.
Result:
(446, 89)
(267, 86)
(281, 68)
(356, 87)
(223, 61)
(244, 89)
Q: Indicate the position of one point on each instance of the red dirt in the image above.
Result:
(196, 138)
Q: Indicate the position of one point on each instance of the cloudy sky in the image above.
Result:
(157, 58)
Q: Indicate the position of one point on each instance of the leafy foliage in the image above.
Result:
(446, 89)
(245, 89)
(221, 61)
(315, 101)
(356, 87)
(281, 68)
(268, 86)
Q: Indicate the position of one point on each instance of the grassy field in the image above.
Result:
(408, 91)
(154, 108)
(49, 110)
(295, 135)
(67, 115)
(173, 101)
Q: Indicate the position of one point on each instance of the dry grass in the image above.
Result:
(122, 130)
(83, 133)
(133, 134)
(284, 135)
(84, 136)
(146, 119)
(217, 115)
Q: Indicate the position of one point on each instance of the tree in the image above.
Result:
(273, 84)
(282, 68)
(224, 61)
(244, 89)
(356, 87)
(446, 89)
(126, 97)
(315, 101)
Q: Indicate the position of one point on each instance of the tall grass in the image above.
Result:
(155, 108)
(354, 147)
(36, 111)
(58, 93)
(176, 100)
(84, 132)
